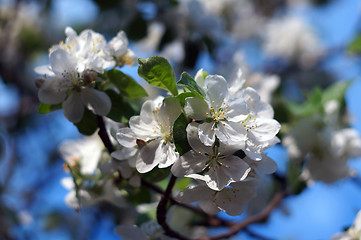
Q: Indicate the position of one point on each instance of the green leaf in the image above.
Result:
(157, 174)
(187, 81)
(47, 108)
(139, 195)
(181, 97)
(180, 134)
(158, 72)
(296, 184)
(336, 91)
(355, 46)
(121, 110)
(310, 107)
(88, 124)
(126, 84)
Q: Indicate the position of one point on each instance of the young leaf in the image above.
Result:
(121, 110)
(47, 108)
(336, 91)
(126, 85)
(180, 135)
(88, 124)
(187, 81)
(355, 45)
(158, 72)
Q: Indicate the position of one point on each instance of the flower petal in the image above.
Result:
(169, 111)
(147, 158)
(130, 232)
(217, 90)
(167, 155)
(196, 108)
(61, 62)
(265, 129)
(73, 107)
(231, 133)
(207, 133)
(99, 101)
(194, 141)
(126, 137)
(189, 163)
(124, 153)
(52, 91)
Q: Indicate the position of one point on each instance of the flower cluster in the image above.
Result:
(227, 138)
(72, 76)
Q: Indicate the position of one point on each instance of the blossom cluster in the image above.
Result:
(220, 127)
(72, 76)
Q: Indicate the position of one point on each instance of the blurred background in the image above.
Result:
(297, 45)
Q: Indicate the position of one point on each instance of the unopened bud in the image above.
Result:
(39, 82)
(90, 76)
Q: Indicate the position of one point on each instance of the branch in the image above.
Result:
(104, 135)
(263, 215)
(162, 209)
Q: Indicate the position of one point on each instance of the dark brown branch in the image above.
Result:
(162, 210)
(104, 135)
(263, 215)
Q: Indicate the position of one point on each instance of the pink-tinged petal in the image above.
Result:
(52, 91)
(206, 133)
(217, 90)
(196, 108)
(194, 141)
(189, 163)
(231, 133)
(126, 137)
(147, 158)
(265, 129)
(99, 101)
(62, 62)
(73, 107)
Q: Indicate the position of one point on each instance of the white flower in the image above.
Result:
(87, 197)
(230, 200)
(86, 152)
(293, 39)
(68, 77)
(154, 127)
(118, 47)
(221, 113)
(353, 233)
(214, 164)
(89, 49)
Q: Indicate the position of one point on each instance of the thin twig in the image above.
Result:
(104, 135)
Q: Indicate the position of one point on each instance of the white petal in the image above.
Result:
(265, 166)
(126, 137)
(52, 91)
(207, 133)
(193, 139)
(217, 90)
(196, 108)
(61, 62)
(169, 111)
(265, 129)
(237, 110)
(189, 163)
(98, 100)
(264, 110)
(130, 232)
(124, 153)
(147, 158)
(194, 194)
(233, 169)
(146, 113)
(166, 154)
(251, 97)
(144, 131)
(209, 206)
(73, 107)
(231, 133)
(44, 70)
